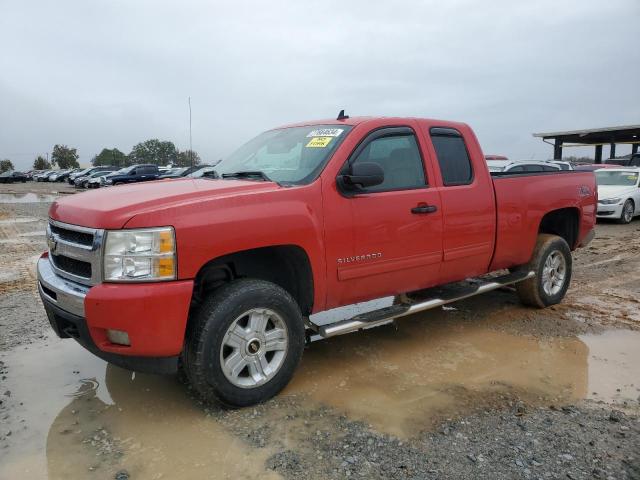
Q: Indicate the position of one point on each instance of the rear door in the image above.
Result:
(468, 202)
(386, 239)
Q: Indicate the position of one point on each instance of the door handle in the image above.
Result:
(424, 209)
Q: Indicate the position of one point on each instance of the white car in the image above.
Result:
(618, 193)
(521, 166)
(97, 181)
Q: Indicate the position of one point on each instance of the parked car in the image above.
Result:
(515, 166)
(97, 179)
(562, 164)
(83, 182)
(204, 172)
(135, 174)
(630, 161)
(495, 157)
(592, 167)
(227, 277)
(180, 172)
(59, 175)
(618, 193)
(174, 173)
(86, 171)
(11, 176)
(44, 177)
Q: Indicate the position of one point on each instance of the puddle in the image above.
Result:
(97, 419)
(400, 381)
(614, 365)
(27, 197)
(11, 221)
(84, 416)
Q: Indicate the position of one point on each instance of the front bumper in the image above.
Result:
(609, 211)
(154, 315)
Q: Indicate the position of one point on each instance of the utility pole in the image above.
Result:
(190, 141)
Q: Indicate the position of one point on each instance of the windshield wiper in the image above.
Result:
(248, 174)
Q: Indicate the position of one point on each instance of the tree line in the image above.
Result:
(151, 151)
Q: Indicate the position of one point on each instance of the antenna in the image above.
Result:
(342, 116)
(190, 138)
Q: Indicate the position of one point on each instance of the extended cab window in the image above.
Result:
(453, 158)
(400, 160)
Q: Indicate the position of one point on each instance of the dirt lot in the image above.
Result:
(483, 389)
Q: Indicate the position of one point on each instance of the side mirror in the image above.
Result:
(362, 175)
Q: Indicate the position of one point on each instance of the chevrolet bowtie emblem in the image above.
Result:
(52, 243)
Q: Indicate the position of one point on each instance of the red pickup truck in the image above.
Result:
(307, 231)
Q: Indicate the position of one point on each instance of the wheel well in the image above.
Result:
(564, 223)
(285, 265)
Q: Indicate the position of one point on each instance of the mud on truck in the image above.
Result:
(228, 277)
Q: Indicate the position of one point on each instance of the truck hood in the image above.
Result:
(613, 191)
(113, 207)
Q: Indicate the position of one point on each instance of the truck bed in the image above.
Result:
(521, 200)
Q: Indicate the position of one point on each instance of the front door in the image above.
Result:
(392, 240)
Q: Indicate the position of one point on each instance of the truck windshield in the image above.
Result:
(294, 155)
(626, 179)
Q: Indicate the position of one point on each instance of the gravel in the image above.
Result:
(583, 441)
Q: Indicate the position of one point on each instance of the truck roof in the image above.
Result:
(354, 121)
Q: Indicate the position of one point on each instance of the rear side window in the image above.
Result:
(453, 157)
(400, 159)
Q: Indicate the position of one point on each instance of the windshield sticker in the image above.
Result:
(319, 142)
(325, 132)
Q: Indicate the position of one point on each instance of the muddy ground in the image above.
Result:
(483, 389)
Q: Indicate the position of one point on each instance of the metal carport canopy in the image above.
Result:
(593, 136)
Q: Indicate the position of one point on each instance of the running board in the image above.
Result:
(431, 298)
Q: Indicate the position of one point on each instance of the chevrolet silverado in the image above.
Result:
(307, 231)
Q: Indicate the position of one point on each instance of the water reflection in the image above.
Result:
(152, 430)
(400, 381)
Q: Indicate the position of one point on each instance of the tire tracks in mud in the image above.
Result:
(22, 240)
(606, 286)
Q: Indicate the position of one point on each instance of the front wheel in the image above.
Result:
(244, 343)
(627, 212)
(552, 264)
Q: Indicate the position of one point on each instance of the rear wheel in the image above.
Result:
(244, 343)
(627, 212)
(552, 263)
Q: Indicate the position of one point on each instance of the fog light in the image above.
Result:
(119, 337)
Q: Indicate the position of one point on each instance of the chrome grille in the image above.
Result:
(72, 236)
(75, 252)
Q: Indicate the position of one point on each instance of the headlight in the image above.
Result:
(143, 255)
(609, 201)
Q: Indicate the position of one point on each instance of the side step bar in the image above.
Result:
(428, 299)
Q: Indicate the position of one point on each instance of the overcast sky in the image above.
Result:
(94, 74)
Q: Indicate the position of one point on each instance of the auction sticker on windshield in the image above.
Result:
(325, 132)
(319, 142)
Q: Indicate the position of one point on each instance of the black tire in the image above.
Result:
(204, 341)
(625, 217)
(531, 291)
